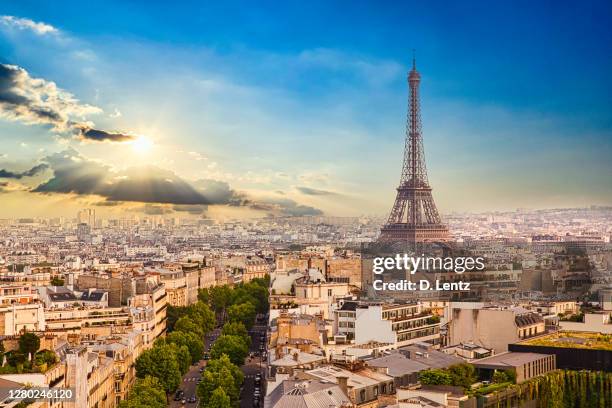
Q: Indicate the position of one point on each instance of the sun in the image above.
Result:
(142, 144)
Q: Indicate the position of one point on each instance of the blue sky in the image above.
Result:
(307, 103)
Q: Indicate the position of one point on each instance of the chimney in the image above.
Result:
(343, 384)
(296, 356)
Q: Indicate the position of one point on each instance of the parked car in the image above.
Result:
(178, 396)
(192, 399)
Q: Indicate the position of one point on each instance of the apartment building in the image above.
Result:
(16, 318)
(17, 292)
(493, 327)
(123, 350)
(87, 321)
(175, 284)
(399, 324)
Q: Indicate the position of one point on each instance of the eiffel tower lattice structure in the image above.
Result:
(414, 217)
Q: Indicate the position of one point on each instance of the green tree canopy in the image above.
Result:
(161, 362)
(202, 315)
(221, 373)
(194, 344)
(220, 297)
(243, 312)
(435, 377)
(204, 295)
(186, 325)
(260, 293)
(463, 375)
(237, 329)
(219, 399)
(183, 357)
(234, 346)
(148, 392)
(29, 343)
(57, 281)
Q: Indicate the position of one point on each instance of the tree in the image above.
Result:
(186, 325)
(194, 344)
(45, 358)
(244, 312)
(204, 296)
(203, 316)
(233, 346)
(221, 373)
(499, 377)
(29, 343)
(174, 313)
(237, 329)
(219, 399)
(259, 292)
(183, 357)
(57, 281)
(161, 362)
(147, 393)
(435, 377)
(220, 297)
(462, 375)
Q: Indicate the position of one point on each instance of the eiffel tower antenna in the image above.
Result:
(414, 217)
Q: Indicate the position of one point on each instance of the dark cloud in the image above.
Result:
(314, 191)
(74, 173)
(107, 203)
(36, 101)
(191, 209)
(152, 209)
(220, 192)
(101, 136)
(28, 173)
(285, 206)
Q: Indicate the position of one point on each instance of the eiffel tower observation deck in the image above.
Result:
(414, 217)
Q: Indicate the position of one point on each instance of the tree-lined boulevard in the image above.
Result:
(202, 358)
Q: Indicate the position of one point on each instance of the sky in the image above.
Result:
(246, 109)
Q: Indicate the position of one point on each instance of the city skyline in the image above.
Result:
(158, 111)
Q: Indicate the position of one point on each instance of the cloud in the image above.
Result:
(27, 24)
(101, 135)
(73, 173)
(28, 173)
(220, 192)
(315, 192)
(152, 209)
(284, 206)
(35, 101)
(191, 209)
(162, 191)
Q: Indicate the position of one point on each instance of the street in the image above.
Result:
(253, 366)
(189, 382)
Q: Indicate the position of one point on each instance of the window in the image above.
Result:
(329, 292)
(362, 395)
(376, 390)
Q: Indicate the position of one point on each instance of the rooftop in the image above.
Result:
(509, 359)
(569, 339)
(306, 394)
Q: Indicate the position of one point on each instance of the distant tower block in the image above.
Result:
(414, 217)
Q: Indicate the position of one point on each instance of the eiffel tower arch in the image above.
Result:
(414, 217)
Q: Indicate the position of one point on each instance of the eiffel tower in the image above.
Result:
(414, 217)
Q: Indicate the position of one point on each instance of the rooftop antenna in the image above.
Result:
(413, 59)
